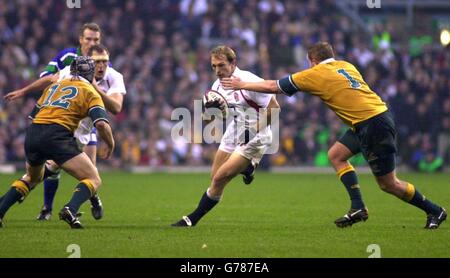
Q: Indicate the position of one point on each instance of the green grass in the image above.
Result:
(279, 215)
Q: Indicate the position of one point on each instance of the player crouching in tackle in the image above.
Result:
(241, 148)
(50, 137)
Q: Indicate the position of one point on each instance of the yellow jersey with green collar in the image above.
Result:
(340, 85)
(67, 102)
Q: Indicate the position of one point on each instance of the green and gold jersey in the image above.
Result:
(67, 102)
(340, 85)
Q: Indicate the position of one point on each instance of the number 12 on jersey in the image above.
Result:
(70, 93)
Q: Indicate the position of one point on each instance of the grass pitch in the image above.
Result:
(278, 215)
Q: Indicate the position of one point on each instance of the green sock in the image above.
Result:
(424, 204)
(10, 198)
(350, 181)
(81, 194)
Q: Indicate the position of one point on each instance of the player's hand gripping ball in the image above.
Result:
(215, 104)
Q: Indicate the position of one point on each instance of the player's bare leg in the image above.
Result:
(338, 156)
(226, 172)
(391, 184)
(234, 165)
(96, 203)
(81, 168)
(219, 159)
(408, 193)
(21, 188)
(249, 172)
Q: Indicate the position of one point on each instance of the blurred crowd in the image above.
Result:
(162, 49)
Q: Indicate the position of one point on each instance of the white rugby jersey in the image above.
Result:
(111, 83)
(240, 103)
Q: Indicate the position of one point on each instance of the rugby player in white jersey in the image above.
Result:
(244, 142)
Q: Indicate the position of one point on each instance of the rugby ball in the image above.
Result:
(215, 104)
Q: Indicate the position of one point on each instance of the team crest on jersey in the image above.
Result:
(236, 96)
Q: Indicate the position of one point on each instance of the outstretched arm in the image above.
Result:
(36, 86)
(266, 86)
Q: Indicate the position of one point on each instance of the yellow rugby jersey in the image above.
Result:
(67, 102)
(340, 86)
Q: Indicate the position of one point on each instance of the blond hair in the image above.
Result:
(226, 51)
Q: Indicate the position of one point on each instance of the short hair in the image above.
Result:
(226, 51)
(97, 48)
(91, 26)
(320, 51)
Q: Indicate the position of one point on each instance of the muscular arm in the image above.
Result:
(113, 102)
(105, 132)
(98, 115)
(37, 85)
(266, 86)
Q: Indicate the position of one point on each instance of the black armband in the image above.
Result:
(98, 113)
(287, 86)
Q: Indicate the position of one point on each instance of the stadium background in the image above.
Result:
(161, 47)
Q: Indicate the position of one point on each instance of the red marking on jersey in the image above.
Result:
(250, 102)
